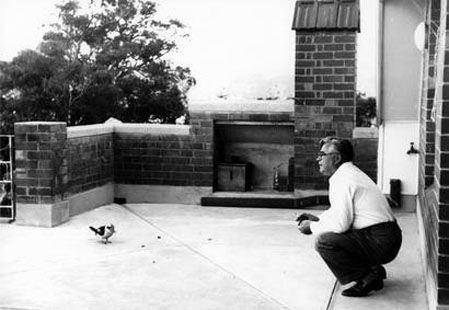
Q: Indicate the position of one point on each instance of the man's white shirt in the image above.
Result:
(356, 202)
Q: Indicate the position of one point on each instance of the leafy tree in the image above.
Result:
(365, 110)
(107, 59)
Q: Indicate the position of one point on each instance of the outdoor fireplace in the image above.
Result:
(254, 156)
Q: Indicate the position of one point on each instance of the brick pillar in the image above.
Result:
(325, 83)
(427, 128)
(202, 132)
(41, 173)
(442, 159)
(325, 89)
(428, 201)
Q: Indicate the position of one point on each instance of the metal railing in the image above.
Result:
(7, 197)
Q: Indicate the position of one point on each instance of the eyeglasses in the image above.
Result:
(322, 154)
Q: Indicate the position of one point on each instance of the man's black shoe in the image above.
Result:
(380, 271)
(364, 287)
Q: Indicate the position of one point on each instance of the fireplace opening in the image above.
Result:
(254, 156)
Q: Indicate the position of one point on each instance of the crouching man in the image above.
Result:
(358, 233)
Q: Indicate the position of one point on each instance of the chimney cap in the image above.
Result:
(312, 15)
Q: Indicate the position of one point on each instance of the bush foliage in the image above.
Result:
(105, 60)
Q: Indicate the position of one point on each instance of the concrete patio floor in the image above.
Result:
(167, 256)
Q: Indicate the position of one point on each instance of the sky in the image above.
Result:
(242, 48)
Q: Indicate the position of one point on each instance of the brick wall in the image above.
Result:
(90, 162)
(162, 159)
(428, 199)
(325, 85)
(428, 205)
(188, 160)
(41, 173)
(41, 165)
(440, 255)
(427, 128)
(51, 166)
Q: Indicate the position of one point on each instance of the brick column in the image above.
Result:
(325, 80)
(325, 89)
(427, 128)
(428, 201)
(442, 161)
(41, 173)
(202, 132)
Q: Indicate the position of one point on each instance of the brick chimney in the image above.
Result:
(325, 79)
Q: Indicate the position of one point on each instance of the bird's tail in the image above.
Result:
(93, 229)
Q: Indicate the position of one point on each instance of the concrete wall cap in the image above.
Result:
(40, 123)
(365, 132)
(103, 129)
(266, 106)
(89, 130)
(152, 129)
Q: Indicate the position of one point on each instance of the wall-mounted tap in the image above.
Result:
(412, 149)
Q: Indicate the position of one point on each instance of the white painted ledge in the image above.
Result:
(365, 132)
(89, 130)
(272, 106)
(152, 129)
(109, 128)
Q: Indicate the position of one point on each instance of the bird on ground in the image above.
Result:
(104, 232)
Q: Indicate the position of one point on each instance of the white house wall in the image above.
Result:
(401, 61)
(399, 95)
(395, 138)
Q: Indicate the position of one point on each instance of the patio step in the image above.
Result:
(266, 200)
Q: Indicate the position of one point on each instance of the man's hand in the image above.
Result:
(304, 227)
(307, 216)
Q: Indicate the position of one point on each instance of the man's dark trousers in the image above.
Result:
(351, 255)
